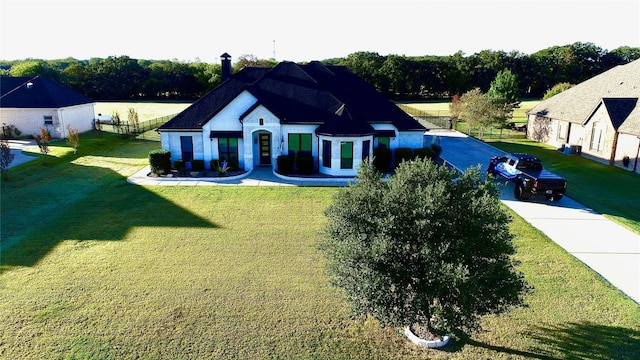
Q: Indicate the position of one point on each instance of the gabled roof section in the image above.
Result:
(618, 109)
(196, 115)
(37, 92)
(575, 104)
(332, 96)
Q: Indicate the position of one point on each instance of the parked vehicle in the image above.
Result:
(528, 175)
(103, 119)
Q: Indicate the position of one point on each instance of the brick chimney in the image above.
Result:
(226, 66)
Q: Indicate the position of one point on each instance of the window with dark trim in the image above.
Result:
(48, 120)
(346, 155)
(326, 153)
(562, 130)
(186, 147)
(228, 151)
(384, 142)
(365, 149)
(298, 143)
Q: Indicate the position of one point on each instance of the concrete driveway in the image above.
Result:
(17, 146)
(606, 247)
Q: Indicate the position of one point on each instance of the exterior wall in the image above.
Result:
(599, 135)
(335, 169)
(251, 131)
(628, 146)
(29, 121)
(394, 141)
(227, 119)
(411, 139)
(171, 141)
(554, 136)
(576, 135)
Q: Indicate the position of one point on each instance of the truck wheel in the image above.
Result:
(553, 198)
(520, 193)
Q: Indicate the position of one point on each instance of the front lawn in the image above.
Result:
(93, 267)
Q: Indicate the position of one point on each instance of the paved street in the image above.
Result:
(606, 247)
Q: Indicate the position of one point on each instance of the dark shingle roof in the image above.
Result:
(198, 113)
(332, 96)
(37, 92)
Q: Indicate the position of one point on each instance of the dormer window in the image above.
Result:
(261, 120)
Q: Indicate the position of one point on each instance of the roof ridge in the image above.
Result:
(19, 86)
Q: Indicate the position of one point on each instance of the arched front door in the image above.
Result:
(264, 147)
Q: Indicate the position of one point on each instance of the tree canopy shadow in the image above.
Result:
(586, 340)
(458, 345)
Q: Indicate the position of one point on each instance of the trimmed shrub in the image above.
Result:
(214, 165)
(197, 165)
(403, 154)
(160, 161)
(425, 153)
(179, 165)
(382, 159)
(234, 165)
(437, 149)
(305, 163)
(285, 164)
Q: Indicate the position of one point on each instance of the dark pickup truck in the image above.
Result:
(528, 176)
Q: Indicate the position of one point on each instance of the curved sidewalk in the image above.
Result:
(259, 176)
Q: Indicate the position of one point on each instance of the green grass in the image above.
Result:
(102, 269)
(441, 108)
(146, 110)
(609, 190)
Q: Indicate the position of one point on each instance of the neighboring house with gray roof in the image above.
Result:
(258, 114)
(599, 118)
(29, 103)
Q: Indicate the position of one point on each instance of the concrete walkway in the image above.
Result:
(259, 176)
(606, 247)
(17, 146)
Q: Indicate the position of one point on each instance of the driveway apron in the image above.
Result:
(609, 249)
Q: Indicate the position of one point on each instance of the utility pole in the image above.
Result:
(274, 50)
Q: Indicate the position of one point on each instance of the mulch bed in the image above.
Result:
(424, 333)
(197, 174)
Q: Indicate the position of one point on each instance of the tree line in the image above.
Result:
(397, 76)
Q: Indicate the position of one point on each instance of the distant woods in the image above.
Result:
(397, 76)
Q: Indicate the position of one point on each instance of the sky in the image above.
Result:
(306, 30)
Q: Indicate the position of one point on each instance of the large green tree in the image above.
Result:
(429, 246)
(505, 94)
(556, 89)
(504, 89)
(479, 111)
